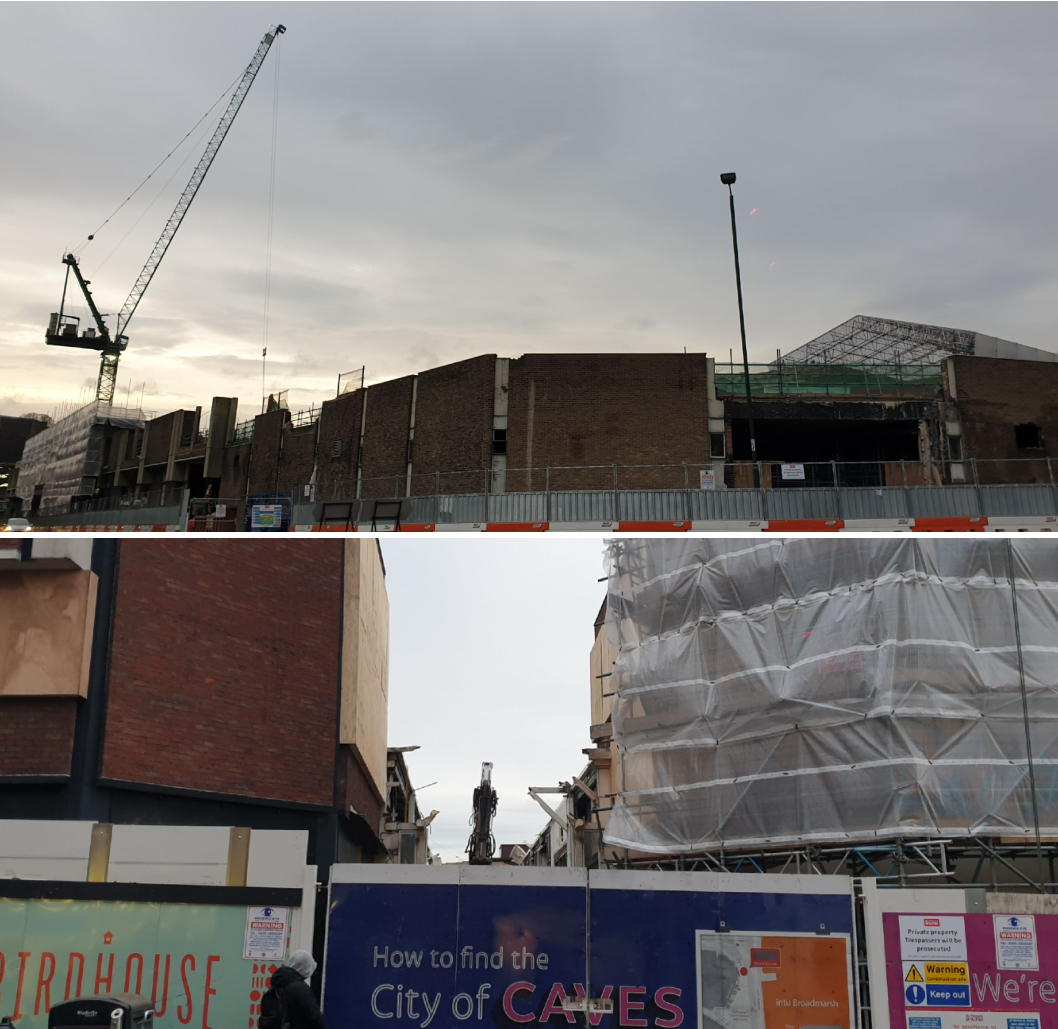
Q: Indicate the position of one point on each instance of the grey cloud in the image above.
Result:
(439, 164)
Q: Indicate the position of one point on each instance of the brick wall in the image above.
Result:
(385, 462)
(235, 471)
(265, 453)
(564, 409)
(453, 425)
(224, 667)
(602, 409)
(36, 735)
(298, 459)
(994, 395)
(339, 424)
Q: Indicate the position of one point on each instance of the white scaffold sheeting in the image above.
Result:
(807, 689)
(65, 460)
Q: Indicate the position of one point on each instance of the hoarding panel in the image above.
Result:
(718, 958)
(443, 955)
(506, 954)
(186, 957)
(988, 971)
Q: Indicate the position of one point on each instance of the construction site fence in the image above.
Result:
(729, 505)
(708, 473)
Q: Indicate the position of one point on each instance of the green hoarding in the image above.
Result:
(186, 958)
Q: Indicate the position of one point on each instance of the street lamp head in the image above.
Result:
(727, 178)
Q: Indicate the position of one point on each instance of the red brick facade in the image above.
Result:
(563, 410)
(224, 667)
(36, 735)
(994, 396)
(605, 409)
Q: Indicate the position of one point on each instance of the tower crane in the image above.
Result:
(63, 328)
(481, 845)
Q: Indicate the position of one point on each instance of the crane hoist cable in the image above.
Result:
(92, 235)
(271, 201)
(62, 329)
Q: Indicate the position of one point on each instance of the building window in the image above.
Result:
(336, 448)
(499, 441)
(1028, 436)
(717, 445)
(955, 447)
(406, 851)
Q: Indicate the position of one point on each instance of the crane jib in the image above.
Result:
(145, 276)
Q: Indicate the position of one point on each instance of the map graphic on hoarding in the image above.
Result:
(792, 981)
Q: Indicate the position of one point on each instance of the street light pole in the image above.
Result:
(728, 179)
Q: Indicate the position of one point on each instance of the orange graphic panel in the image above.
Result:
(746, 981)
(811, 986)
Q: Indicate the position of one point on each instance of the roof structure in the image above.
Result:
(868, 340)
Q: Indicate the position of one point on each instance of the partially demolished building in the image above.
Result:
(871, 704)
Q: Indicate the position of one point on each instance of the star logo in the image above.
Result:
(108, 938)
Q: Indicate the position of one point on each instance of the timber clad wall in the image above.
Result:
(36, 735)
(995, 395)
(365, 661)
(224, 668)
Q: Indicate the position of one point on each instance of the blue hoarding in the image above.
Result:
(445, 947)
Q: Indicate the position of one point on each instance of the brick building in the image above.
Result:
(199, 683)
(903, 405)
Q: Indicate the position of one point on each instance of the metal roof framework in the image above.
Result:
(868, 340)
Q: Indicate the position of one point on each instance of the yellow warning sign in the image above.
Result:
(951, 972)
(913, 975)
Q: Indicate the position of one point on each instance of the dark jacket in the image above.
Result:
(302, 1009)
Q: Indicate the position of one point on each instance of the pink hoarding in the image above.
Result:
(972, 971)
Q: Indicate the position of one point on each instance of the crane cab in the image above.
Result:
(63, 332)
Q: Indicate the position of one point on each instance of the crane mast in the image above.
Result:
(62, 328)
(482, 845)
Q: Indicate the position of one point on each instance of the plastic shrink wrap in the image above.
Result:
(810, 690)
(65, 460)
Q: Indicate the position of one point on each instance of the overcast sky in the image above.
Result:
(457, 179)
(489, 661)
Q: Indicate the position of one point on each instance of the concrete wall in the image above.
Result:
(46, 620)
(365, 659)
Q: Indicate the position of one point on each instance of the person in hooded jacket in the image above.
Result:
(292, 979)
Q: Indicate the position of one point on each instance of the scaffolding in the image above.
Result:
(784, 697)
(867, 340)
(65, 460)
